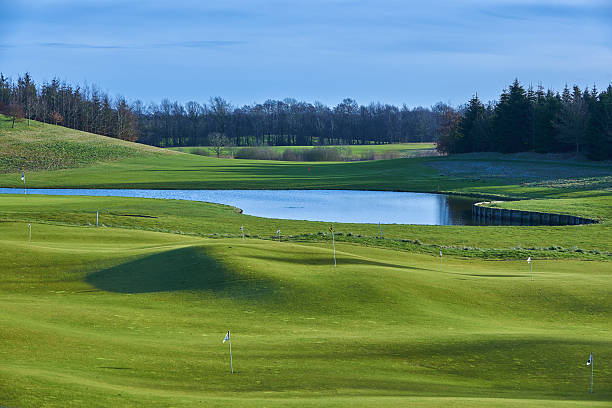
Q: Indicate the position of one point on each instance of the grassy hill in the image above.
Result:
(40, 146)
(104, 317)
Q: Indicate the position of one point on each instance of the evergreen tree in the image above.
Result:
(599, 127)
(471, 133)
(571, 120)
(547, 110)
(512, 126)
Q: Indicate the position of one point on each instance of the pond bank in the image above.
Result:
(502, 215)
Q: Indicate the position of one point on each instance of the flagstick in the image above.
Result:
(592, 364)
(531, 264)
(334, 245)
(24, 187)
(379, 230)
(29, 232)
(231, 362)
(96, 218)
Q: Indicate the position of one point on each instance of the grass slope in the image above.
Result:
(40, 146)
(113, 317)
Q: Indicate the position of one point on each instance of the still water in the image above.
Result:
(313, 205)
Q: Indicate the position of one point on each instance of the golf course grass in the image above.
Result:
(592, 241)
(348, 152)
(133, 312)
(112, 317)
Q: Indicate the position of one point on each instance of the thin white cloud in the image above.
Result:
(183, 44)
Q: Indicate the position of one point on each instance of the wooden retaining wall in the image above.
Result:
(526, 217)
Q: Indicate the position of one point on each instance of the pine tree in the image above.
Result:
(571, 120)
(472, 132)
(599, 126)
(512, 124)
(546, 110)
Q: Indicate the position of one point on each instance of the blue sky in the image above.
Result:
(391, 51)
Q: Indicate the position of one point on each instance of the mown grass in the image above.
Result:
(600, 205)
(346, 153)
(40, 146)
(103, 317)
(218, 221)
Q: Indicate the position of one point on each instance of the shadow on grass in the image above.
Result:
(185, 269)
(539, 366)
(492, 276)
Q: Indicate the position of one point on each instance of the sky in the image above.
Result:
(389, 51)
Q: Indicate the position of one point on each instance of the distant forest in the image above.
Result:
(522, 119)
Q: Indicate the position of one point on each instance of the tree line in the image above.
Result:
(273, 123)
(536, 120)
(83, 108)
(522, 119)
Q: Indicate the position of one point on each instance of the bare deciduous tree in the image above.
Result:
(218, 143)
(56, 117)
(15, 112)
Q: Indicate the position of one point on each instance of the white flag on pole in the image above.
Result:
(590, 359)
(529, 260)
(226, 338)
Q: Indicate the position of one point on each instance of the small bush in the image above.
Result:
(314, 154)
(257, 153)
(292, 155)
(200, 151)
(322, 154)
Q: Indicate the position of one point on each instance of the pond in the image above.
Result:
(352, 206)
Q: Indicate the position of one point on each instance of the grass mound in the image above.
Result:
(41, 146)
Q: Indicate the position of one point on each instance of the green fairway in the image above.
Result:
(349, 152)
(116, 317)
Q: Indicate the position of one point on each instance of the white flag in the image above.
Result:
(22, 176)
(226, 338)
(529, 260)
(590, 359)
(440, 253)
